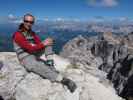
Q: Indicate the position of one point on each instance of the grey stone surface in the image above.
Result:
(108, 52)
(18, 84)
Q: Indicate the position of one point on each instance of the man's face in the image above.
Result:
(28, 22)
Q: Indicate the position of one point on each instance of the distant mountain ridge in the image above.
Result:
(62, 30)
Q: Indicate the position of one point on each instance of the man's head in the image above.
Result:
(28, 21)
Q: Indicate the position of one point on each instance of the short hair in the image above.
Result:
(28, 14)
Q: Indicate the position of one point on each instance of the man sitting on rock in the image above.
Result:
(29, 48)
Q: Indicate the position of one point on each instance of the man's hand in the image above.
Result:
(48, 41)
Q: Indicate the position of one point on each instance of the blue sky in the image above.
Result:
(80, 9)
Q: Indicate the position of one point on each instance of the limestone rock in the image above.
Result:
(10, 75)
(108, 52)
(18, 84)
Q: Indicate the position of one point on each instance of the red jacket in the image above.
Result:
(20, 39)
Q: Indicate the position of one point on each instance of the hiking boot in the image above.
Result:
(70, 84)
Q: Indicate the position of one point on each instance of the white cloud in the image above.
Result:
(103, 3)
(59, 19)
(11, 16)
(13, 19)
(98, 19)
(46, 19)
(123, 19)
(17, 21)
(109, 3)
(74, 19)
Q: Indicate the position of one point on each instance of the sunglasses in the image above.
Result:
(31, 22)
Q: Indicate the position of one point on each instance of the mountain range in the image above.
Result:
(62, 30)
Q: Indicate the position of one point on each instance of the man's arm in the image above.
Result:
(25, 44)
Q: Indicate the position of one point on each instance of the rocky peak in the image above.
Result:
(110, 53)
